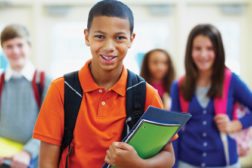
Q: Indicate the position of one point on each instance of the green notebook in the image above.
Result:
(158, 135)
(154, 130)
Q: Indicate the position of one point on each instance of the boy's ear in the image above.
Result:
(86, 37)
(132, 37)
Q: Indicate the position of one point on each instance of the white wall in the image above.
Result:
(41, 17)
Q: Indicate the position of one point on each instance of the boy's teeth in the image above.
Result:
(107, 58)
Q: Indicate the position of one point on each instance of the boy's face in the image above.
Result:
(109, 39)
(17, 50)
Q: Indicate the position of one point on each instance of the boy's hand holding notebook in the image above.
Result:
(154, 130)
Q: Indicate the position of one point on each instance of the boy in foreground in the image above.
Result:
(102, 113)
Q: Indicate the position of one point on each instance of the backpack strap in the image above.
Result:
(184, 105)
(1, 85)
(220, 103)
(220, 106)
(38, 83)
(135, 101)
(72, 101)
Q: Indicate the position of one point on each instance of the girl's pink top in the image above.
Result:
(160, 88)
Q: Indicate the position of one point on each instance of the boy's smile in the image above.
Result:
(108, 59)
(109, 39)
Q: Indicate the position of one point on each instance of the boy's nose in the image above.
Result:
(15, 50)
(109, 45)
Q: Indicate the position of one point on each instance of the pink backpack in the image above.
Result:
(244, 137)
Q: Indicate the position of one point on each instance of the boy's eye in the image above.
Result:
(8, 46)
(99, 36)
(20, 45)
(120, 38)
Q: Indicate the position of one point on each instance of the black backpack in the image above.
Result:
(135, 103)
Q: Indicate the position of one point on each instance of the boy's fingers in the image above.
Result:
(19, 165)
(122, 145)
(10, 157)
(113, 149)
(108, 154)
(107, 158)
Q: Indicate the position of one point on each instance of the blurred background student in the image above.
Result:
(205, 141)
(157, 69)
(22, 89)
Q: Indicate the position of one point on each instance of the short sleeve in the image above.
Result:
(50, 123)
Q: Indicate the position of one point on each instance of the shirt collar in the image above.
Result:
(88, 84)
(27, 72)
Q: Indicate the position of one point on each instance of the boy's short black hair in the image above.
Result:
(112, 8)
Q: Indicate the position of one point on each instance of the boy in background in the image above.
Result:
(19, 106)
(102, 113)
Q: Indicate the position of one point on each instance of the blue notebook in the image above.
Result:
(154, 130)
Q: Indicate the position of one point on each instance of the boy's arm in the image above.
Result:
(50, 125)
(49, 155)
(164, 159)
(123, 155)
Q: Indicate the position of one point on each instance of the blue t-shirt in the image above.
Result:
(199, 144)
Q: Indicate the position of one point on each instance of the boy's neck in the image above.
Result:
(105, 79)
(17, 68)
